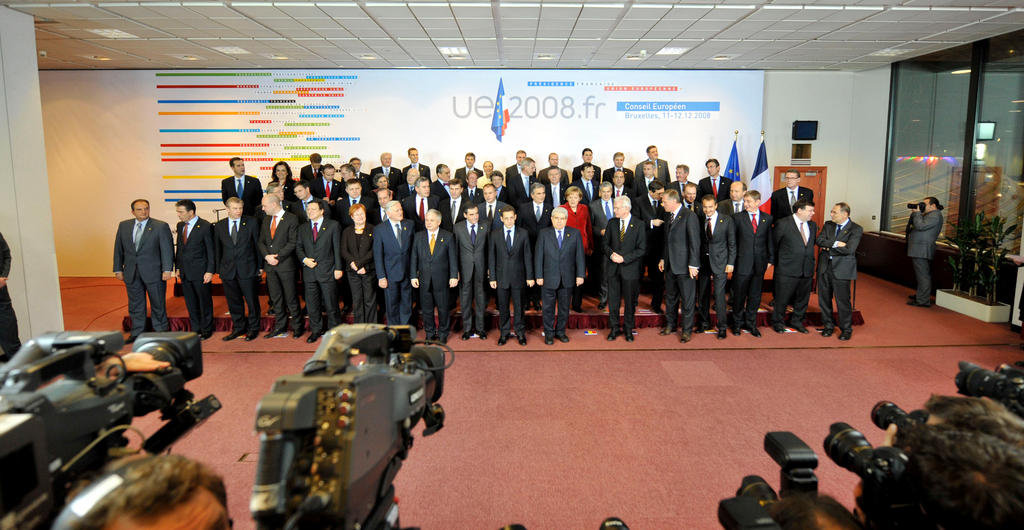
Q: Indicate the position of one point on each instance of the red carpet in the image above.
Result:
(564, 436)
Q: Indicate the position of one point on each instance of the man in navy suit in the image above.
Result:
(519, 184)
(837, 266)
(319, 251)
(717, 261)
(755, 252)
(194, 265)
(714, 184)
(242, 186)
(434, 270)
(534, 216)
(414, 163)
(392, 256)
(793, 237)
(238, 264)
(143, 259)
(394, 174)
(625, 243)
(783, 199)
(559, 266)
(327, 187)
(510, 270)
(416, 207)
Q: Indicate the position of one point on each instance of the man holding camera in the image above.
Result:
(922, 231)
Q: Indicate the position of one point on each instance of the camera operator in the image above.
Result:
(922, 232)
(812, 512)
(165, 492)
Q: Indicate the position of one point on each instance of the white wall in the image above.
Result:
(852, 112)
(25, 218)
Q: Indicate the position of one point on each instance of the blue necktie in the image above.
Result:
(559, 239)
(508, 239)
(472, 235)
(607, 210)
(239, 187)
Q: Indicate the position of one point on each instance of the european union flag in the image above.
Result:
(732, 169)
(500, 118)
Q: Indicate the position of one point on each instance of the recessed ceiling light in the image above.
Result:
(671, 51)
(1017, 101)
(888, 52)
(452, 50)
(97, 57)
(188, 57)
(545, 56)
(112, 33)
(231, 50)
(722, 57)
(367, 57)
(964, 71)
(277, 57)
(634, 58)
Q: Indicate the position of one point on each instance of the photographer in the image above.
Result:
(812, 512)
(922, 231)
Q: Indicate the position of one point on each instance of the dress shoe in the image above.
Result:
(800, 328)
(548, 340)
(562, 338)
(602, 305)
(274, 333)
(313, 337)
(827, 332)
(915, 304)
(755, 333)
(845, 335)
(481, 335)
(629, 336)
(685, 337)
(251, 336)
(466, 335)
(612, 335)
(722, 333)
(701, 328)
(779, 328)
(911, 297)
(736, 331)
(205, 336)
(667, 331)
(522, 341)
(233, 335)
(502, 340)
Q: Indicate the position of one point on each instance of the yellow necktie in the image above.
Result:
(432, 236)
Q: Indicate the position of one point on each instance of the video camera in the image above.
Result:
(1005, 385)
(60, 421)
(333, 438)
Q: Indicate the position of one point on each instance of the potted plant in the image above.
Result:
(979, 242)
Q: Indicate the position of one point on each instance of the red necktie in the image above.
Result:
(423, 214)
(753, 222)
(184, 235)
(328, 188)
(714, 186)
(315, 231)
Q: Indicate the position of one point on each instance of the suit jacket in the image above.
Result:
(307, 174)
(780, 201)
(252, 193)
(704, 187)
(509, 267)
(283, 243)
(395, 176)
(503, 194)
(495, 220)
(599, 221)
(754, 251)
(299, 211)
(461, 172)
(606, 175)
(341, 206)
(676, 185)
(559, 267)
(595, 190)
(544, 174)
(5, 258)
(632, 246)
(239, 259)
(640, 188)
(437, 189)
(318, 189)
(424, 172)
(844, 259)
(154, 256)
(720, 250)
(549, 197)
(922, 231)
(404, 191)
(448, 217)
(516, 193)
(511, 172)
(391, 257)
(475, 195)
(326, 250)
(793, 257)
(375, 217)
(357, 248)
(661, 173)
(438, 267)
(528, 219)
(626, 191)
(726, 208)
(681, 242)
(472, 257)
(196, 257)
(577, 173)
(410, 207)
(655, 235)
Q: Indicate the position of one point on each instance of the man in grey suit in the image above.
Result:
(681, 264)
(837, 265)
(558, 264)
(601, 211)
(717, 260)
(471, 238)
(143, 260)
(922, 231)
(661, 166)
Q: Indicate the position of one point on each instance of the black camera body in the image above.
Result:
(1005, 385)
(920, 206)
(59, 421)
(333, 438)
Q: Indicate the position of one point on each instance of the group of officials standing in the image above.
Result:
(534, 238)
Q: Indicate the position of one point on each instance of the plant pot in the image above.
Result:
(972, 306)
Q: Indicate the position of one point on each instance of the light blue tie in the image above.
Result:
(559, 239)
(238, 187)
(607, 211)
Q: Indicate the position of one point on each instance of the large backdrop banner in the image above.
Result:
(167, 135)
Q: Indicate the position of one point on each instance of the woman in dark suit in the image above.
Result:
(579, 218)
(357, 252)
(282, 174)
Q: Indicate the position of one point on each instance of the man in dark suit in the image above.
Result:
(353, 195)
(195, 263)
(9, 341)
(647, 176)
(471, 191)
(239, 264)
(625, 243)
(617, 165)
(379, 214)
(278, 238)
(648, 208)
(435, 270)
(416, 207)
(242, 186)
(461, 172)
(601, 211)
(559, 265)
(755, 252)
(660, 166)
(682, 177)
(311, 171)
(519, 185)
(453, 209)
(714, 184)
(588, 161)
(515, 170)
(471, 237)
(794, 265)
(619, 186)
(510, 271)
(302, 199)
(690, 198)
(501, 191)
(587, 184)
(922, 231)
(319, 252)
(553, 164)
(414, 163)
(394, 174)
(327, 187)
(143, 260)
(346, 173)
(554, 189)
(408, 188)
(734, 204)
(357, 165)
(534, 216)
(439, 188)
(392, 254)
(837, 266)
(490, 208)
(717, 259)
(681, 264)
(783, 199)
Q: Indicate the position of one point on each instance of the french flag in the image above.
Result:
(500, 118)
(762, 180)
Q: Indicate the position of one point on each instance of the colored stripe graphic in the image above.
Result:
(302, 107)
(307, 124)
(214, 154)
(214, 145)
(334, 139)
(321, 115)
(210, 159)
(332, 77)
(224, 113)
(213, 74)
(191, 191)
(207, 86)
(186, 101)
(206, 130)
(290, 80)
(194, 176)
(194, 199)
(550, 83)
(303, 147)
(624, 88)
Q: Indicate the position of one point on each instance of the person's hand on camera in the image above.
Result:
(134, 362)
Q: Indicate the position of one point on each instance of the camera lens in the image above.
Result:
(885, 413)
(757, 488)
(973, 380)
(846, 446)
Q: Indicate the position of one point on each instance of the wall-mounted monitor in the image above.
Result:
(805, 130)
(986, 130)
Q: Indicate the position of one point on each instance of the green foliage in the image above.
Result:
(979, 242)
